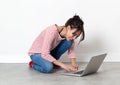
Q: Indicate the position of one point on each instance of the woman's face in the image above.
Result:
(72, 34)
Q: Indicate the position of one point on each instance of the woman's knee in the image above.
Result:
(68, 43)
(35, 57)
(44, 65)
(47, 68)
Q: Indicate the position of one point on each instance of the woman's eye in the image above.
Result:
(74, 34)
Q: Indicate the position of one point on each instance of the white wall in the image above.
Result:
(22, 20)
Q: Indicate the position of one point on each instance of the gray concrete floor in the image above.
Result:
(21, 74)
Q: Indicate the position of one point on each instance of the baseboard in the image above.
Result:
(80, 58)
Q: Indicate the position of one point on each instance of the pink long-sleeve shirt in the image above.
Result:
(47, 40)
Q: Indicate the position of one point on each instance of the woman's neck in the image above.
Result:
(61, 30)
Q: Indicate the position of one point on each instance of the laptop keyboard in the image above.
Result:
(79, 72)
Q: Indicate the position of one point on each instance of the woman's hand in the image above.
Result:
(75, 66)
(68, 68)
(65, 66)
(73, 60)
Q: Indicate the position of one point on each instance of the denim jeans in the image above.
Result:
(46, 66)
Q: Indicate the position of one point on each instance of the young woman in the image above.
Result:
(53, 42)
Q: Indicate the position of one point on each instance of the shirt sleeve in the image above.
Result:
(71, 51)
(46, 47)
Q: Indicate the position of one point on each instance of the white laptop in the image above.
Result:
(92, 67)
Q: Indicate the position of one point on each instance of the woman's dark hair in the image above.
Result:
(76, 23)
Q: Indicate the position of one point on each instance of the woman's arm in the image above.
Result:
(64, 66)
(74, 64)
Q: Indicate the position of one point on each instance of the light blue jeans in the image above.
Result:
(45, 66)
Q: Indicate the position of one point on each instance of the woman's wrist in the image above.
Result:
(58, 63)
(74, 64)
(73, 61)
